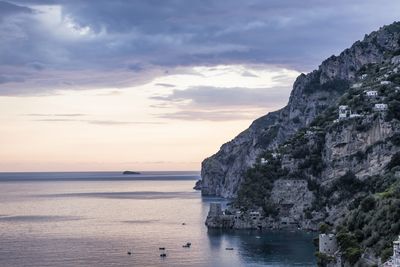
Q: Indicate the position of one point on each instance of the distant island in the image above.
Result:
(130, 173)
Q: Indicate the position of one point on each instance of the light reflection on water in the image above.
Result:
(93, 219)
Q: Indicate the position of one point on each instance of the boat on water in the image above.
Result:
(187, 245)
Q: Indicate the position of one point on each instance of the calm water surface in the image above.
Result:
(93, 219)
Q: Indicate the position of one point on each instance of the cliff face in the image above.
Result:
(312, 94)
(331, 157)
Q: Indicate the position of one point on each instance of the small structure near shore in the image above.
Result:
(395, 260)
(396, 252)
(372, 93)
(328, 244)
(381, 107)
(215, 210)
(344, 112)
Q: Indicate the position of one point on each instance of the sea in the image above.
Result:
(96, 218)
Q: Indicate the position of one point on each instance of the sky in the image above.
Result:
(156, 84)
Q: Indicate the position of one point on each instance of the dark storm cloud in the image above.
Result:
(8, 9)
(135, 38)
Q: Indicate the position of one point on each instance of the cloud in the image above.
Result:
(217, 97)
(75, 117)
(49, 45)
(165, 85)
(10, 79)
(55, 120)
(248, 74)
(55, 115)
(220, 104)
(216, 115)
(114, 122)
(9, 9)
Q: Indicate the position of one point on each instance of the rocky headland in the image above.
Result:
(329, 161)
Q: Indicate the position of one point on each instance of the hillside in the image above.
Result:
(312, 94)
(308, 166)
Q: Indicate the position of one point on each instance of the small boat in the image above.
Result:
(187, 245)
(129, 253)
(183, 223)
(162, 248)
(163, 255)
(228, 248)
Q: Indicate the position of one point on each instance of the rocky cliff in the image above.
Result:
(330, 158)
(312, 94)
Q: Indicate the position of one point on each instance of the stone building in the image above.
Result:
(328, 244)
(344, 112)
(381, 107)
(215, 210)
(396, 253)
(372, 93)
(395, 259)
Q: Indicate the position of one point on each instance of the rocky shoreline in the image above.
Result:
(233, 218)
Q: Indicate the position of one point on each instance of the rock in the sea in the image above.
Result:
(130, 172)
(198, 184)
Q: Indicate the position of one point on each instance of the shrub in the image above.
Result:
(368, 204)
(395, 139)
(394, 161)
(349, 245)
(394, 110)
(323, 259)
(386, 254)
(323, 228)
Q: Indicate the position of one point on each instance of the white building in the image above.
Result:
(355, 115)
(395, 260)
(344, 112)
(357, 85)
(396, 60)
(263, 161)
(385, 82)
(364, 76)
(275, 155)
(396, 252)
(381, 107)
(371, 93)
(255, 215)
(327, 244)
